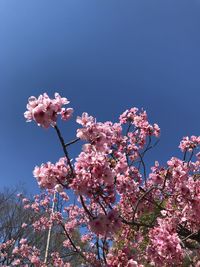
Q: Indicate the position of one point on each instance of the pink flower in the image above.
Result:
(66, 114)
(16, 262)
(35, 259)
(44, 111)
(132, 263)
(165, 244)
(24, 225)
(126, 216)
(99, 225)
(85, 120)
(106, 224)
(49, 175)
(23, 241)
(189, 143)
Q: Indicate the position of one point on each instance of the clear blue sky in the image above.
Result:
(103, 55)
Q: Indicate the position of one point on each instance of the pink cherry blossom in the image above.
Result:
(50, 175)
(44, 110)
(127, 215)
(66, 114)
(189, 143)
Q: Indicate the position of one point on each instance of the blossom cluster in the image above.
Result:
(140, 121)
(106, 224)
(189, 143)
(94, 174)
(44, 110)
(49, 175)
(24, 251)
(122, 259)
(165, 245)
(101, 135)
(123, 215)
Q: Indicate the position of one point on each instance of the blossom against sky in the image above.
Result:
(105, 57)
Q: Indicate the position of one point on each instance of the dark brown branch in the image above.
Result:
(103, 250)
(190, 158)
(64, 149)
(141, 155)
(85, 208)
(149, 146)
(99, 202)
(153, 201)
(72, 142)
(167, 176)
(185, 233)
(134, 223)
(141, 198)
(185, 154)
(144, 168)
(72, 243)
(98, 252)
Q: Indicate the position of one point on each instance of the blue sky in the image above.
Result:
(104, 56)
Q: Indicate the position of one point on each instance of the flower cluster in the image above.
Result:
(165, 245)
(24, 251)
(44, 110)
(58, 261)
(185, 191)
(122, 258)
(107, 207)
(101, 135)
(48, 175)
(94, 174)
(140, 121)
(106, 224)
(188, 144)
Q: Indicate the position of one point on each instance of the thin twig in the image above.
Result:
(72, 142)
(103, 250)
(190, 235)
(98, 252)
(102, 207)
(85, 208)
(144, 168)
(140, 199)
(192, 153)
(185, 154)
(64, 148)
(72, 243)
(139, 224)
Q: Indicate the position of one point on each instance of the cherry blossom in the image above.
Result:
(44, 110)
(126, 214)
